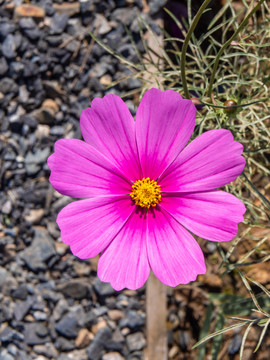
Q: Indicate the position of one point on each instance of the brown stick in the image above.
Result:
(156, 313)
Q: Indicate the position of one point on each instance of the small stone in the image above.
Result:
(9, 47)
(34, 216)
(84, 338)
(106, 80)
(69, 9)
(95, 349)
(7, 207)
(35, 334)
(115, 315)
(3, 66)
(33, 160)
(40, 251)
(103, 289)
(112, 356)
(132, 320)
(174, 350)
(103, 25)
(125, 331)
(4, 355)
(58, 24)
(21, 309)
(136, 341)
(7, 282)
(8, 85)
(125, 16)
(20, 292)
(76, 289)
(213, 280)
(8, 335)
(60, 309)
(47, 350)
(27, 23)
(50, 104)
(82, 269)
(29, 10)
(70, 324)
(40, 316)
(61, 248)
(100, 325)
(235, 344)
(42, 131)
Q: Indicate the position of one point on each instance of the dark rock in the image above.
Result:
(60, 309)
(6, 313)
(103, 289)
(136, 341)
(132, 320)
(63, 344)
(27, 23)
(6, 28)
(57, 131)
(7, 282)
(76, 289)
(125, 16)
(3, 66)
(184, 340)
(114, 38)
(41, 330)
(20, 292)
(41, 250)
(7, 85)
(16, 67)
(47, 350)
(8, 335)
(234, 345)
(71, 323)
(156, 5)
(112, 345)
(22, 308)
(9, 47)
(54, 40)
(90, 319)
(31, 334)
(33, 160)
(95, 349)
(59, 23)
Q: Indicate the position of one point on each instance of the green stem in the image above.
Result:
(185, 46)
(228, 42)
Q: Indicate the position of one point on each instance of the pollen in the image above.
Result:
(146, 193)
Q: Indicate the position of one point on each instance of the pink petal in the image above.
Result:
(212, 160)
(164, 124)
(124, 263)
(213, 215)
(110, 128)
(79, 170)
(89, 226)
(173, 253)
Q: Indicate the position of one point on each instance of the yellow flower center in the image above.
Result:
(146, 193)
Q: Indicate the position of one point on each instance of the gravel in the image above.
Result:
(52, 304)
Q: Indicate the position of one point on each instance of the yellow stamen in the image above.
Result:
(146, 193)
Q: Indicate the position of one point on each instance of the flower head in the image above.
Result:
(144, 191)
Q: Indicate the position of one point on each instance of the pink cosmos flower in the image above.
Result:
(143, 191)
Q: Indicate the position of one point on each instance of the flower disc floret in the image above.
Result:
(146, 193)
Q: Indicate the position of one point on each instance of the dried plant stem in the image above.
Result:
(156, 311)
(227, 43)
(185, 46)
